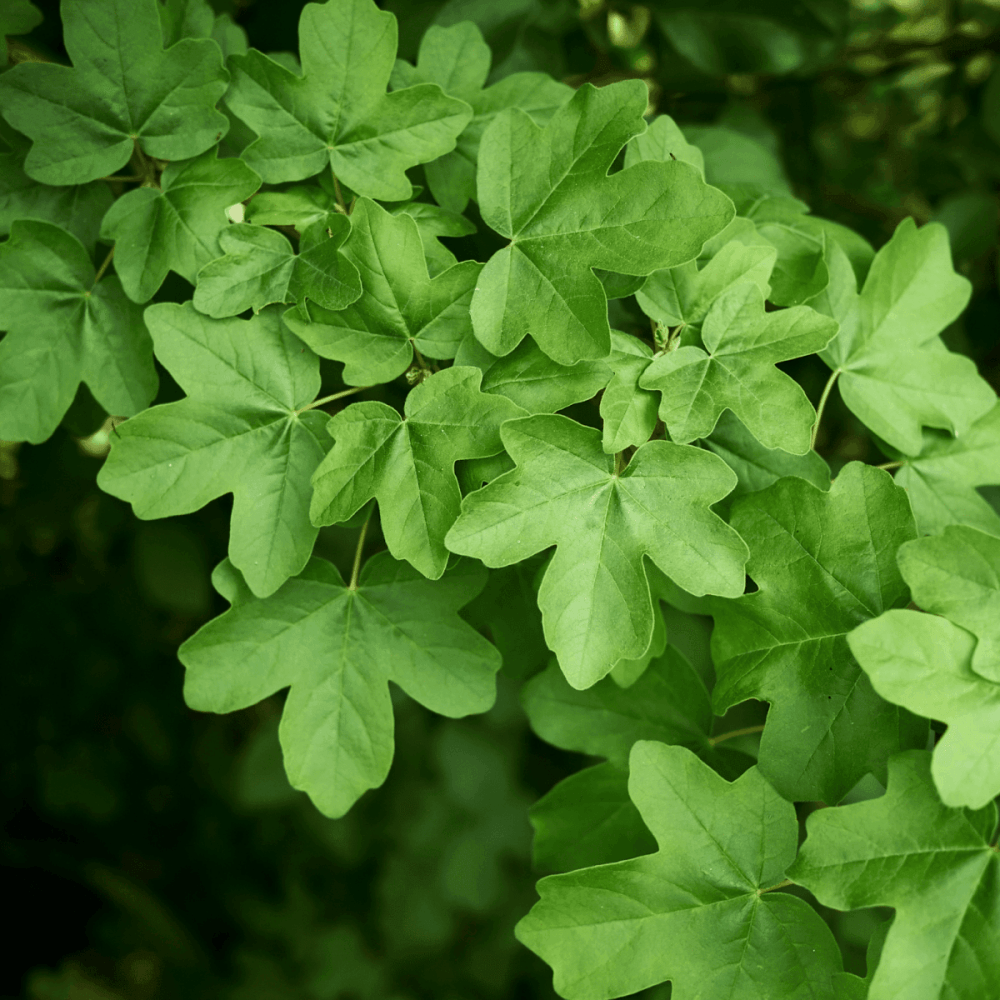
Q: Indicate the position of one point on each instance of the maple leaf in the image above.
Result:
(123, 91)
(403, 307)
(259, 268)
(64, 329)
(177, 226)
(941, 480)
(823, 562)
(548, 191)
(458, 59)
(337, 647)
(735, 371)
(697, 912)
(337, 114)
(946, 664)
(934, 864)
(17, 17)
(407, 462)
(594, 596)
(896, 375)
(241, 430)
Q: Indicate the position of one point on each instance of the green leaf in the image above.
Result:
(735, 160)
(301, 206)
(594, 596)
(402, 308)
(407, 462)
(628, 411)
(896, 374)
(669, 703)
(758, 467)
(588, 819)
(185, 19)
(458, 60)
(17, 17)
(664, 141)
(77, 208)
(238, 431)
(683, 295)
(548, 191)
(337, 647)
(532, 379)
(941, 481)
(434, 222)
(736, 371)
(934, 666)
(933, 864)
(176, 227)
(337, 114)
(800, 272)
(693, 912)
(823, 562)
(259, 267)
(122, 91)
(62, 330)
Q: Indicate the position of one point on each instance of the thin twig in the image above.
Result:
(736, 732)
(353, 585)
(103, 267)
(330, 399)
(822, 404)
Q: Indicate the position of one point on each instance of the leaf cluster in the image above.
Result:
(591, 421)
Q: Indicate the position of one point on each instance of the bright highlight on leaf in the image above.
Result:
(63, 329)
(946, 664)
(407, 463)
(337, 647)
(595, 600)
(694, 913)
(122, 92)
(896, 374)
(239, 431)
(933, 864)
(337, 114)
(548, 191)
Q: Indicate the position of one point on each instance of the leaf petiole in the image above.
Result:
(329, 399)
(356, 568)
(827, 389)
(713, 740)
(104, 266)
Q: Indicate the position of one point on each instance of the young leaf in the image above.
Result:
(337, 647)
(259, 267)
(123, 91)
(661, 142)
(458, 60)
(695, 912)
(238, 431)
(407, 463)
(402, 308)
(941, 481)
(800, 271)
(683, 295)
(824, 562)
(548, 191)
(628, 411)
(337, 114)
(934, 666)
(532, 379)
(78, 208)
(62, 330)
(933, 864)
(595, 599)
(896, 374)
(735, 371)
(177, 226)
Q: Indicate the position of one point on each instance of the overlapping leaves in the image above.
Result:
(946, 664)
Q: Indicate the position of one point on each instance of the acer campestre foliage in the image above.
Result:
(304, 204)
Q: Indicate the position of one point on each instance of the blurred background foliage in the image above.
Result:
(157, 853)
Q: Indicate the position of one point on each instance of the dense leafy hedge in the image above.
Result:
(623, 372)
